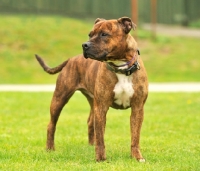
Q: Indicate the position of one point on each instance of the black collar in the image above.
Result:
(128, 71)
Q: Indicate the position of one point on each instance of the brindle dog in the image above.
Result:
(109, 74)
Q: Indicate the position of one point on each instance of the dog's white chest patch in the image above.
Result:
(123, 90)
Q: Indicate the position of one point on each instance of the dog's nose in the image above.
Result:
(86, 45)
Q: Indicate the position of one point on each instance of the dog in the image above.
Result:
(110, 73)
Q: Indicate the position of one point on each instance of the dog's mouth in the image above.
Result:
(95, 56)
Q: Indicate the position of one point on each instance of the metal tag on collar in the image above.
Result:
(130, 70)
(128, 73)
(138, 66)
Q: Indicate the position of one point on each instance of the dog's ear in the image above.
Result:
(98, 19)
(127, 24)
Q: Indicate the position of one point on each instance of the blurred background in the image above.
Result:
(181, 12)
(168, 35)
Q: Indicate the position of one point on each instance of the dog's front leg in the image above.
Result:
(136, 120)
(90, 122)
(99, 123)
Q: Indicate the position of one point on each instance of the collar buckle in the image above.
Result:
(133, 68)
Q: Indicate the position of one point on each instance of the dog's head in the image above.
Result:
(109, 39)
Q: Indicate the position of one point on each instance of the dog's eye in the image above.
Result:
(104, 34)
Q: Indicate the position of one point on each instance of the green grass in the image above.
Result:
(22, 37)
(170, 138)
(57, 38)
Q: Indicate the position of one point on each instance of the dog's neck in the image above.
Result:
(125, 63)
(125, 67)
(129, 60)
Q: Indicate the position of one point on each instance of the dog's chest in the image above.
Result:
(123, 90)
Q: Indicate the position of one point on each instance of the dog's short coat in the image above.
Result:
(109, 74)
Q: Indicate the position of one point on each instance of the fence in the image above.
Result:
(171, 11)
(77, 8)
(168, 11)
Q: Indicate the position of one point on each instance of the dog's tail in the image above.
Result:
(48, 69)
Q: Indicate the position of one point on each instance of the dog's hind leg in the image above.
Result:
(60, 98)
(90, 120)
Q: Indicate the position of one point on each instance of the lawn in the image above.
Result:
(56, 38)
(170, 138)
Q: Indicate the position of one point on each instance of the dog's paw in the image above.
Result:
(100, 153)
(101, 159)
(141, 160)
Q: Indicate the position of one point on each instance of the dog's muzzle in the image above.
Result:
(85, 47)
(90, 52)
